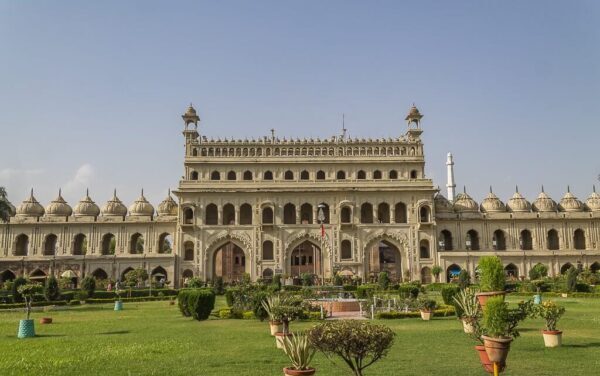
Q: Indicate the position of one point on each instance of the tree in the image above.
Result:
(135, 277)
(538, 271)
(18, 282)
(5, 209)
(572, 278)
(436, 271)
(51, 289)
(88, 284)
(464, 279)
(27, 291)
(358, 343)
(219, 286)
(383, 280)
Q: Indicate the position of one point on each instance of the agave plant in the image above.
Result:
(300, 351)
(467, 301)
(270, 304)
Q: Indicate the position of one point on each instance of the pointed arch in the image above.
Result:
(79, 244)
(50, 245)
(452, 272)
(109, 244)
(159, 273)
(136, 244)
(100, 274)
(511, 271)
(21, 245)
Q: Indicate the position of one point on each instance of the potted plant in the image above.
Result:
(300, 351)
(118, 301)
(27, 326)
(476, 334)
(270, 305)
(537, 298)
(285, 313)
(467, 301)
(491, 279)
(427, 306)
(551, 312)
(436, 271)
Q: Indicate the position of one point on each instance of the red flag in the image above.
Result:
(322, 230)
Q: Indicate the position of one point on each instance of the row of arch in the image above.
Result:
(304, 151)
(79, 244)
(499, 240)
(303, 175)
(305, 214)
(98, 273)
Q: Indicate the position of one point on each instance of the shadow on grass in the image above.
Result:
(50, 335)
(583, 345)
(115, 332)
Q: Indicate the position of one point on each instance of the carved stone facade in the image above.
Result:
(321, 206)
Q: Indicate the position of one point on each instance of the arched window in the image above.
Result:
(346, 250)
(424, 214)
(361, 175)
(267, 274)
(188, 253)
(247, 175)
(109, 244)
(289, 214)
(511, 271)
(446, 238)
(565, 268)
(393, 174)
(21, 245)
(346, 215)
(320, 175)
(7, 275)
(525, 241)
(245, 214)
(304, 175)
(268, 175)
(499, 240)
(424, 249)
(231, 175)
(323, 207)
(552, 241)
(165, 243)
(377, 174)
(289, 175)
(472, 240)
(341, 175)
(194, 175)
(212, 215)
(595, 267)
(306, 214)
(267, 216)
(100, 274)
(400, 213)
(215, 175)
(366, 213)
(187, 273)
(188, 216)
(413, 174)
(194, 152)
(383, 213)
(136, 245)
(579, 239)
(79, 245)
(267, 250)
(228, 214)
(50, 245)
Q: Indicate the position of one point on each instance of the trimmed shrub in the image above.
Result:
(366, 291)
(448, 293)
(195, 283)
(229, 295)
(51, 290)
(408, 291)
(383, 280)
(583, 287)
(444, 311)
(88, 284)
(17, 297)
(200, 303)
(182, 302)
(491, 274)
(276, 282)
(349, 288)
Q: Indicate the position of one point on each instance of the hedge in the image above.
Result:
(558, 294)
(441, 312)
(34, 304)
(366, 291)
(197, 303)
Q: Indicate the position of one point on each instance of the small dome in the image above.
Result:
(191, 111)
(517, 203)
(492, 204)
(442, 205)
(413, 114)
(86, 207)
(141, 206)
(593, 202)
(570, 203)
(464, 203)
(114, 207)
(168, 206)
(30, 208)
(58, 207)
(544, 203)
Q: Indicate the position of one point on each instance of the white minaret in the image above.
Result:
(450, 170)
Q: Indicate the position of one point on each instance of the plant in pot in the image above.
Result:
(537, 298)
(491, 279)
(118, 301)
(271, 304)
(285, 312)
(427, 306)
(300, 351)
(467, 302)
(436, 271)
(476, 335)
(551, 312)
(27, 326)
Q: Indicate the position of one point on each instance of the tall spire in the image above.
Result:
(450, 185)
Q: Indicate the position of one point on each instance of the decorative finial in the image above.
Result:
(464, 189)
(516, 188)
(273, 133)
(169, 194)
(491, 189)
(87, 192)
(594, 188)
(115, 193)
(59, 192)
(568, 189)
(142, 192)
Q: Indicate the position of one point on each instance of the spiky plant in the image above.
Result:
(300, 351)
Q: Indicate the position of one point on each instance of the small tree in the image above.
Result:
(135, 277)
(219, 286)
(88, 284)
(383, 280)
(538, 271)
(464, 279)
(358, 343)
(51, 290)
(307, 279)
(195, 283)
(491, 274)
(572, 279)
(18, 282)
(27, 291)
(436, 271)
(276, 282)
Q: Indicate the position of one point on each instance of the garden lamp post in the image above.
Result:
(321, 219)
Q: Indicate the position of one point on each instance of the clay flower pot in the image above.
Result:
(46, 320)
(482, 297)
(279, 337)
(297, 372)
(426, 315)
(552, 338)
(486, 363)
(497, 348)
(468, 326)
(276, 327)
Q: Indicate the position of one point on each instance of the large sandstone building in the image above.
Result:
(290, 206)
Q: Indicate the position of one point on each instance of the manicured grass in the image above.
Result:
(154, 339)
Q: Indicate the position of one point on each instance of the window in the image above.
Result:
(376, 174)
(231, 175)
(526, 242)
(472, 240)
(499, 241)
(424, 249)
(267, 216)
(136, 245)
(215, 175)
(304, 175)
(80, 245)
(194, 152)
(21, 245)
(413, 174)
(346, 215)
(245, 214)
(188, 216)
(320, 175)
(289, 214)
(267, 250)
(289, 175)
(50, 245)
(446, 238)
(247, 175)
(393, 174)
(553, 243)
(361, 175)
(165, 243)
(341, 175)
(346, 250)
(383, 213)
(268, 175)
(400, 213)
(109, 244)
(228, 214)
(366, 213)
(306, 214)
(579, 239)
(424, 214)
(194, 175)
(212, 214)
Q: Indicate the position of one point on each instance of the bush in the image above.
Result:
(383, 280)
(195, 283)
(366, 291)
(219, 286)
(443, 311)
(276, 282)
(408, 291)
(491, 274)
(464, 279)
(448, 294)
(51, 290)
(495, 317)
(571, 279)
(81, 295)
(307, 279)
(229, 295)
(17, 297)
(182, 302)
(583, 287)
(248, 315)
(88, 284)
(538, 271)
(199, 302)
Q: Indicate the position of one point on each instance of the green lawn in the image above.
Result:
(154, 339)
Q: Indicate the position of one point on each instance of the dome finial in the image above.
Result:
(568, 189)
(491, 189)
(87, 192)
(464, 189)
(542, 187)
(59, 192)
(31, 193)
(142, 192)
(594, 188)
(169, 192)
(517, 188)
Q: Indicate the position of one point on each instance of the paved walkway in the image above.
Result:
(352, 315)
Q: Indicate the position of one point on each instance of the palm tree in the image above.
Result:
(5, 209)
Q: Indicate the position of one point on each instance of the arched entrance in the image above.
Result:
(100, 274)
(7, 275)
(229, 262)
(305, 258)
(384, 256)
(452, 272)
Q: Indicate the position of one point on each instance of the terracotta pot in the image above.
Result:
(497, 348)
(468, 326)
(296, 372)
(279, 339)
(426, 315)
(276, 327)
(552, 338)
(46, 320)
(482, 297)
(487, 365)
(172, 302)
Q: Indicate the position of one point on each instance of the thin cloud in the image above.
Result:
(80, 181)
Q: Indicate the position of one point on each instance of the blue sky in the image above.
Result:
(91, 92)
